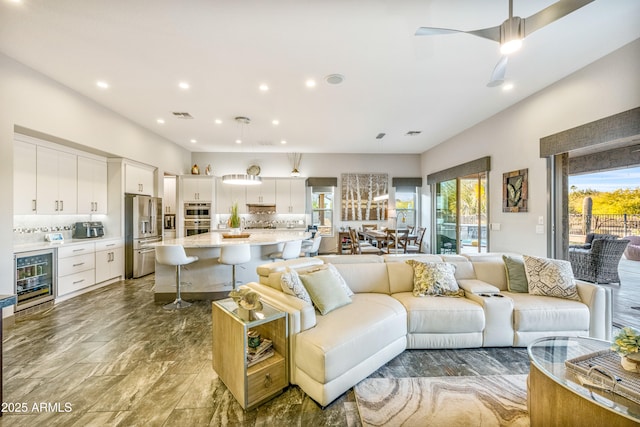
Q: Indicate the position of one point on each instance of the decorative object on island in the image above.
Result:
(515, 191)
(627, 345)
(248, 302)
(195, 170)
(234, 219)
(208, 171)
(358, 193)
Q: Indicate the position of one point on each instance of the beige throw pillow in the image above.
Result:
(325, 290)
(550, 277)
(291, 284)
(434, 279)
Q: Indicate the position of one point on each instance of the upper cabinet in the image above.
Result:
(227, 195)
(197, 188)
(92, 186)
(138, 179)
(24, 178)
(290, 196)
(56, 182)
(263, 194)
(169, 197)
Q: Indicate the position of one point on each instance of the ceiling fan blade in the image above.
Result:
(492, 33)
(552, 13)
(500, 70)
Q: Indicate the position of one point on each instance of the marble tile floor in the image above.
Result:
(114, 357)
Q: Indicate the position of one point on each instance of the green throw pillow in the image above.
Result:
(325, 290)
(516, 276)
(434, 279)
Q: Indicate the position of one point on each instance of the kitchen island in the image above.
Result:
(207, 278)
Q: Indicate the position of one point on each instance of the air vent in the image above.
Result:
(413, 133)
(380, 135)
(265, 143)
(182, 115)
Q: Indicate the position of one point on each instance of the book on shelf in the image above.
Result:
(265, 345)
(253, 359)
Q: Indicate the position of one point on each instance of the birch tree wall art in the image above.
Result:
(358, 191)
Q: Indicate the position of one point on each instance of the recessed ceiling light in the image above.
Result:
(283, 142)
(238, 141)
(160, 121)
(218, 121)
(310, 83)
(193, 141)
(102, 84)
(507, 86)
(183, 85)
(263, 87)
(276, 122)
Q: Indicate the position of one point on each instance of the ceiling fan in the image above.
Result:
(512, 31)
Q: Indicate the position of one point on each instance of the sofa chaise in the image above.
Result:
(329, 354)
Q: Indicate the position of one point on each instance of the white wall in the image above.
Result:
(33, 101)
(512, 139)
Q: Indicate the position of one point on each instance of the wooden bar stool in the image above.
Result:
(174, 255)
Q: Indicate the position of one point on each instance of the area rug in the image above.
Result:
(494, 400)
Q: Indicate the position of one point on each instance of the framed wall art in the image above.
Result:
(358, 192)
(515, 191)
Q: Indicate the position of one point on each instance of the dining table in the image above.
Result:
(382, 237)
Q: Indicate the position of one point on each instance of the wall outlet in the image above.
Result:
(539, 229)
(495, 226)
(540, 220)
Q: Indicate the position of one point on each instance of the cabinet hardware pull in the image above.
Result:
(61, 205)
(78, 281)
(33, 204)
(267, 381)
(111, 244)
(56, 206)
(78, 265)
(78, 250)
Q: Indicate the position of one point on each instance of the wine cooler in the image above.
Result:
(35, 278)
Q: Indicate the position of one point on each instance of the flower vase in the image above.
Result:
(630, 364)
(235, 231)
(244, 314)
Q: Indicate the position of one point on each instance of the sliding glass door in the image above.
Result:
(461, 215)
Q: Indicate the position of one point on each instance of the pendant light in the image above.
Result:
(241, 178)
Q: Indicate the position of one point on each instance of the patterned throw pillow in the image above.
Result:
(292, 285)
(550, 277)
(434, 279)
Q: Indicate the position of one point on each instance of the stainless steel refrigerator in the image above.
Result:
(142, 227)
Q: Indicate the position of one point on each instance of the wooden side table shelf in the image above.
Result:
(256, 384)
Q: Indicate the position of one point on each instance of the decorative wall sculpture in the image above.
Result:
(358, 191)
(515, 191)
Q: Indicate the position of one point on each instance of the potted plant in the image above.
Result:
(234, 219)
(627, 344)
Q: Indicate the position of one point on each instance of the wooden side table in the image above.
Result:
(250, 385)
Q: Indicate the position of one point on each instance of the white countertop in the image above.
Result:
(36, 246)
(256, 238)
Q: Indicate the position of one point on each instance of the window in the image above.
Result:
(406, 198)
(322, 209)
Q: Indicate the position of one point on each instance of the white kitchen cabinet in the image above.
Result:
(290, 196)
(76, 267)
(92, 186)
(56, 182)
(138, 179)
(263, 194)
(197, 188)
(169, 197)
(227, 195)
(24, 178)
(109, 260)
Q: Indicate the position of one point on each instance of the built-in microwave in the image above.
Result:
(197, 211)
(196, 226)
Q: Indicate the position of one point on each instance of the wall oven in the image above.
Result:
(194, 211)
(196, 226)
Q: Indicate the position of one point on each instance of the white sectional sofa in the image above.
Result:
(328, 354)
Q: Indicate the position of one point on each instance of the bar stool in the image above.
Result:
(234, 255)
(290, 250)
(174, 255)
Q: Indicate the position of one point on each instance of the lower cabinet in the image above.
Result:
(76, 267)
(109, 260)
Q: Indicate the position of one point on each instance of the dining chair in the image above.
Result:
(397, 241)
(416, 247)
(359, 247)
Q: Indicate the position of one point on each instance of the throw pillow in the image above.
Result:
(434, 279)
(516, 276)
(332, 268)
(291, 284)
(550, 277)
(325, 290)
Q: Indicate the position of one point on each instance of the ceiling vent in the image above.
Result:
(182, 115)
(380, 135)
(265, 143)
(413, 133)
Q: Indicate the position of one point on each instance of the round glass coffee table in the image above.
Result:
(555, 395)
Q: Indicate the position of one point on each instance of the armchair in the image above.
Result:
(633, 249)
(599, 263)
(446, 244)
